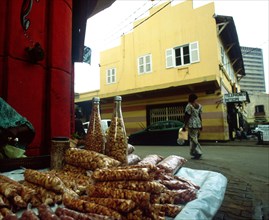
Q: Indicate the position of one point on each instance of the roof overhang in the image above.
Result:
(228, 35)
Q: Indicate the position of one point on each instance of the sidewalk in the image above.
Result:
(243, 200)
(240, 203)
(244, 143)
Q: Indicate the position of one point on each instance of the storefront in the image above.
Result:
(236, 112)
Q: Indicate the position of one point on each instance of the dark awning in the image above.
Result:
(82, 10)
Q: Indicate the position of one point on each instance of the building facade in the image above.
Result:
(257, 110)
(254, 81)
(175, 51)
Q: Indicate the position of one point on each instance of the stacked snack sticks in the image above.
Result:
(99, 184)
(94, 186)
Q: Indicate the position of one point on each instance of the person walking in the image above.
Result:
(193, 122)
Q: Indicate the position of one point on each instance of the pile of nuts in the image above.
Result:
(116, 143)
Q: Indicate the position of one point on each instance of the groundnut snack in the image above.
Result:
(13, 194)
(133, 159)
(140, 198)
(9, 188)
(172, 163)
(45, 213)
(3, 201)
(116, 143)
(89, 160)
(60, 211)
(122, 174)
(190, 183)
(29, 215)
(45, 180)
(74, 169)
(180, 196)
(170, 210)
(90, 207)
(95, 138)
(75, 181)
(175, 184)
(6, 213)
(152, 159)
(142, 186)
(43, 195)
(120, 205)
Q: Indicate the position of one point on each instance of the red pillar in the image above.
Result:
(43, 91)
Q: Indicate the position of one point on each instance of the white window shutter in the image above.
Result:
(148, 63)
(140, 65)
(107, 76)
(169, 55)
(194, 52)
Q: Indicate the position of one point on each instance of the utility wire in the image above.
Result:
(142, 14)
(130, 16)
(153, 13)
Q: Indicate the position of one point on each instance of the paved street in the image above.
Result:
(246, 166)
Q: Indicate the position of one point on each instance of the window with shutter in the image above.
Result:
(144, 64)
(169, 58)
(111, 75)
(194, 51)
(182, 55)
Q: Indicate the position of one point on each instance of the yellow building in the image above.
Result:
(175, 51)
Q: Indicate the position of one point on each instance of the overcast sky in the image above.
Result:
(105, 28)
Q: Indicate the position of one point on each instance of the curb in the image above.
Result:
(243, 143)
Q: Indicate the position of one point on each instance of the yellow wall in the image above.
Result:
(173, 26)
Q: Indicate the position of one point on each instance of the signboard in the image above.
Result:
(87, 53)
(265, 131)
(235, 97)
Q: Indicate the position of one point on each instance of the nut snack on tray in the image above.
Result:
(140, 198)
(172, 163)
(91, 207)
(169, 209)
(60, 211)
(120, 205)
(142, 186)
(42, 195)
(122, 174)
(92, 185)
(46, 180)
(152, 159)
(133, 159)
(89, 160)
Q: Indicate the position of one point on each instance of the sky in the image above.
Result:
(105, 28)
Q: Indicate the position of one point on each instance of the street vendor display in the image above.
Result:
(93, 185)
(142, 191)
(123, 192)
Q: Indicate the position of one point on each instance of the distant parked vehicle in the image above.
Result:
(261, 131)
(160, 133)
(105, 123)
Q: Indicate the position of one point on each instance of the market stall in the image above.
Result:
(209, 194)
(102, 178)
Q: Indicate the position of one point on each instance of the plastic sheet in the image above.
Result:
(209, 197)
